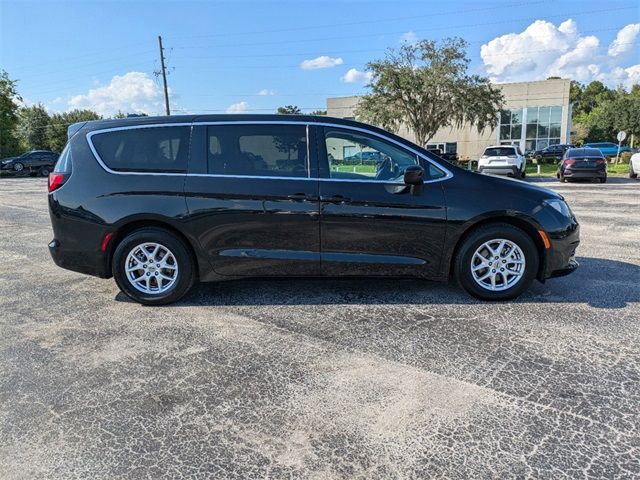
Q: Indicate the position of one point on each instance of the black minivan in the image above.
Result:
(160, 203)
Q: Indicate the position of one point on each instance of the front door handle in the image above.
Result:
(335, 199)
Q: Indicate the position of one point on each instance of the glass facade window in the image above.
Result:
(511, 125)
(543, 127)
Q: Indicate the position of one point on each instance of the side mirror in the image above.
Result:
(414, 175)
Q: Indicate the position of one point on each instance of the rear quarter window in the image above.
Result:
(63, 165)
(154, 149)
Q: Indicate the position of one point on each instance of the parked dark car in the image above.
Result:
(582, 163)
(160, 203)
(36, 161)
(369, 157)
(551, 153)
(449, 157)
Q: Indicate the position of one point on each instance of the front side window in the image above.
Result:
(358, 156)
(258, 150)
(156, 149)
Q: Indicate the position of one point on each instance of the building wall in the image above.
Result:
(523, 97)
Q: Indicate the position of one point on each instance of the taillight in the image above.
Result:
(569, 162)
(601, 161)
(56, 180)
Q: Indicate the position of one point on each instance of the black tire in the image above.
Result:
(603, 180)
(465, 253)
(44, 171)
(186, 275)
(523, 173)
(18, 167)
(632, 174)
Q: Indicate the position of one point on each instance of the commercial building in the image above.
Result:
(536, 114)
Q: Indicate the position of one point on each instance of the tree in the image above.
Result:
(425, 86)
(575, 92)
(9, 98)
(59, 123)
(592, 95)
(32, 127)
(289, 110)
(318, 112)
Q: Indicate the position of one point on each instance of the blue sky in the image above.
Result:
(250, 56)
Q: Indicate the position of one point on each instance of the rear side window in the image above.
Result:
(258, 150)
(63, 165)
(157, 149)
(499, 151)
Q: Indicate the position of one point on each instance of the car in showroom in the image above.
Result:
(634, 165)
(503, 160)
(608, 149)
(40, 162)
(582, 163)
(551, 153)
(160, 203)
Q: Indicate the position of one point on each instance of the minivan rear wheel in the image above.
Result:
(496, 262)
(153, 267)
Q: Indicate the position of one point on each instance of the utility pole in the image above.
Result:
(164, 77)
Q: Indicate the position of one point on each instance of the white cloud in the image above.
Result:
(409, 37)
(265, 92)
(356, 76)
(133, 92)
(239, 107)
(624, 42)
(322, 61)
(543, 50)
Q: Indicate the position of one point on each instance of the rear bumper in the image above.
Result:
(585, 173)
(502, 170)
(89, 263)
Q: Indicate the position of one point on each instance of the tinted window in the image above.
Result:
(358, 156)
(258, 150)
(63, 164)
(499, 151)
(158, 149)
(584, 152)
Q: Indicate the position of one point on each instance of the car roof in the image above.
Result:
(131, 121)
(89, 126)
(502, 146)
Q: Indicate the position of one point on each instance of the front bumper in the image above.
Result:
(561, 257)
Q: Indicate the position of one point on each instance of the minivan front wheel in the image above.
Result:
(153, 267)
(496, 262)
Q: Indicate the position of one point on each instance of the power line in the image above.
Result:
(362, 22)
(446, 27)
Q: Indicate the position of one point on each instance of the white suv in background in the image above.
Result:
(503, 160)
(634, 165)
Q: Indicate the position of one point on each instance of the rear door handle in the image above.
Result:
(335, 199)
(301, 197)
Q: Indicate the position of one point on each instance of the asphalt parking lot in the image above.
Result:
(322, 378)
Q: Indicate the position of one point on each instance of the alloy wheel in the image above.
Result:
(498, 264)
(151, 268)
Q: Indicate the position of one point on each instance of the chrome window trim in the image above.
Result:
(447, 172)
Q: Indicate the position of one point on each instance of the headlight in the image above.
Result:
(560, 206)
